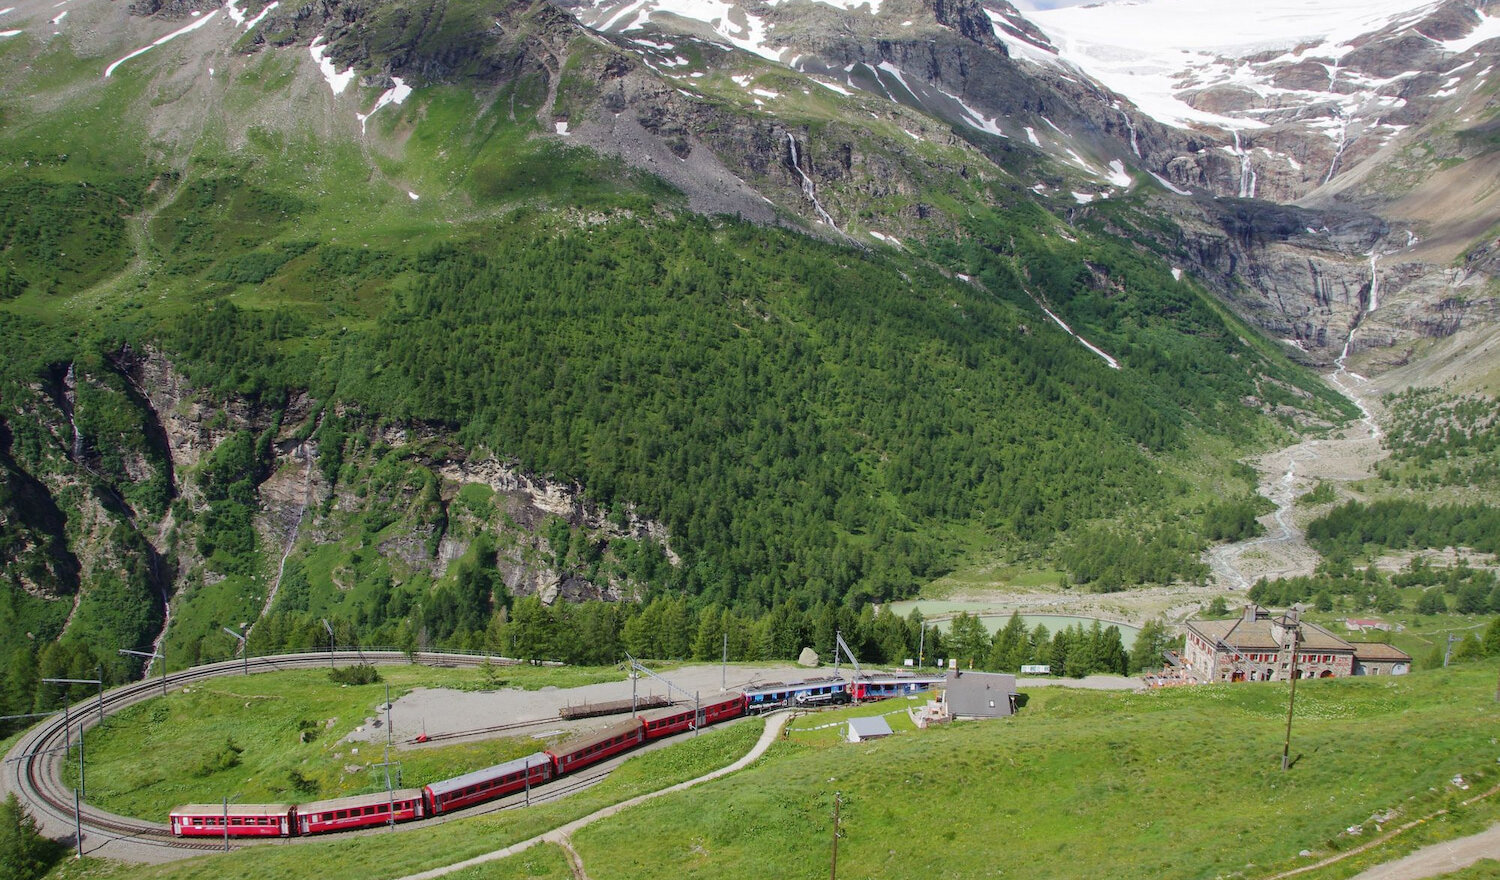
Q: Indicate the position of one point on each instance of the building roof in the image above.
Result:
(979, 694)
(1367, 652)
(1259, 634)
(868, 728)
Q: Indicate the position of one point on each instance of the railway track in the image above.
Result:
(33, 768)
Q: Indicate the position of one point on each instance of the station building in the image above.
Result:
(1259, 646)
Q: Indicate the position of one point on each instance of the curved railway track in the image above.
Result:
(33, 768)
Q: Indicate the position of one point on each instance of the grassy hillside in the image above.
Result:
(1183, 783)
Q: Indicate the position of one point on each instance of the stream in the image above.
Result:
(1285, 474)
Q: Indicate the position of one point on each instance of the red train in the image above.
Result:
(368, 810)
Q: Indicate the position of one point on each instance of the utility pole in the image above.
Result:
(330, 641)
(724, 668)
(390, 792)
(68, 746)
(1286, 746)
(77, 797)
(161, 657)
(833, 865)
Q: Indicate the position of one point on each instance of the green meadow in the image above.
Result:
(1178, 783)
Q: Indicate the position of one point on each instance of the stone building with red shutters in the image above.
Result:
(1260, 646)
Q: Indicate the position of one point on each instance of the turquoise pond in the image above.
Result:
(995, 618)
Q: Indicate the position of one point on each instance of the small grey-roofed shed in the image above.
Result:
(861, 729)
(980, 694)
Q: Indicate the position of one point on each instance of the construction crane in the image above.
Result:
(839, 645)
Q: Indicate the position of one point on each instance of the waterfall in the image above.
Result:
(70, 394)
(1135, 147)
(1338, 151)
(307, 457)
(1342, 361)
(1247, 173)
(807, 184)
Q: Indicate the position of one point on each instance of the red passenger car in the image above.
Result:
(489, 783)
(677, 719)
(360, 811)
(581, 751)
(245, 820)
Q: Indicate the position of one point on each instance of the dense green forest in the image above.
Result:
(1439, 439)
(1400, 524)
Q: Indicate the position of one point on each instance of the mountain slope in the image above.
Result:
(388, 313)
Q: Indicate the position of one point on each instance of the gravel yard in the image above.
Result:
(441, 713)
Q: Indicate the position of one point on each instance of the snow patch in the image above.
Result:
(336, 81)
(396, 94)
(250, 25)
(8, 33)
(833, 87)
(1169, 185)
(1031, 136)
(1117, 175)
(560, 127)
(1152, 50)
(846, 5)
(1080, 161)
(1113, 364)
(109, 71)
(1082, 198)
(741, 29)
(1176, 274)
(60, 16)
(1488, 29)
(411, 195)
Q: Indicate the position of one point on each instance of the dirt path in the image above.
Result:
(1439, 858)
(1433, 860)
(562, 836)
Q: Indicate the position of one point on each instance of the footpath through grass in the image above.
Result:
(1183, 783)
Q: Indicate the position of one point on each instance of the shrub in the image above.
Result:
(362, 673)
